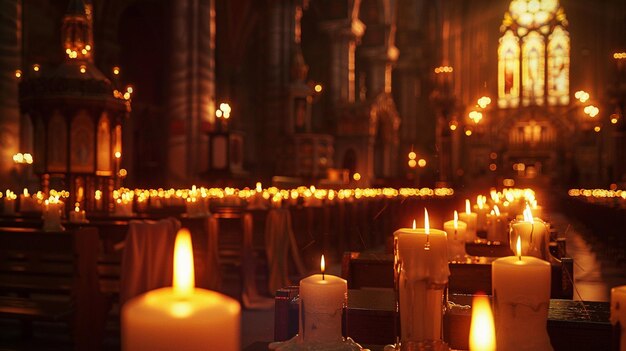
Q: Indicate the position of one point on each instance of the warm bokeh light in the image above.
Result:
(597, 129)
(421, 162)
(482, 329)
(184, 279)
(18, 73)
(493, 167)
(444, 69)
(318, 88)
(118, 154)
(83, 69)
(412, 163)
(356, 176)
(116, 70)
(453, 125)
(468, 132)
(36, 67)
(412, 155)
(619, 55)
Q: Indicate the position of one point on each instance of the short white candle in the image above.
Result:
(618, 312)
(521, 295)
(497, 226)
(322, 298)
(481, 210)
(471, 219)
(534, 236)
(181, 317)
(422, 259)
(456, 238)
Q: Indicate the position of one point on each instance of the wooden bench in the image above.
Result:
(53, 277)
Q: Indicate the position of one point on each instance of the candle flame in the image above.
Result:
(414, 226)
(26, 192)
(482, 329)
(528, 215)
(184, 280)
(467, 207)
(456, 220)
(496, 210)
(322, 264)
(518, 247)
(426, 223)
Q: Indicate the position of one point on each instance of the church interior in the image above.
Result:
(312, 175)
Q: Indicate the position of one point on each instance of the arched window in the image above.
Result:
(558, 67)
(533, 58)
(533, 30)
(508, 70)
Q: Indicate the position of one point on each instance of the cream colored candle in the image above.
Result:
(521, 294)
(181, 317)
(8, 202)
(78, 215)
(497, 226)
(470, 218)
(422, 263)
(534, 236)
(52, 210)
(618, 312)
(481, 209)
(455, 230)
(322, 298)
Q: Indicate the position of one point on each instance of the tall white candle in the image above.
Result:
(521, 295)
(181, 317)
(422, 263)
(481, 209)
(456, 238)
(470, 218)
(322, 298)
(618, 312)
(497, 226)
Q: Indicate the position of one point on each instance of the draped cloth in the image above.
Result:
(279, 239)
(147, 260)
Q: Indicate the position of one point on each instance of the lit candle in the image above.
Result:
(181, 317)
(52, 210)
(497, 226)
(481, 210)
(9, 202)
(322, 298)
(618, 313)
(456, 238)
(470, 218)
(422, 266)
(77, 215)
(482, 329)
(521, 294)
(534, 236)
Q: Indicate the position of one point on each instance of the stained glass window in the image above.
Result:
(508, 70)
(558, 67)
(533, 56)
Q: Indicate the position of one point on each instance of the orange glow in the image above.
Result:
(83, 69)
(412, 163)
(322, 264)
(482, 329)
(518, 247)
(468, 132)
(116, 70)
(36, 67)
(259, 187)
(18, 73)
(184, 279)
(356, 176)
(496, 210)
(421, 162)
(118, 154)
(528, 215)
(426, 223)
(412, 155)
(318, 88)
(597, 129)
(456, 220)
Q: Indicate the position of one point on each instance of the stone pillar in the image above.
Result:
(192, 87)
(10, 61)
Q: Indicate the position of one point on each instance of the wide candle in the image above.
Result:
(521, 295)
(181, 317)
(470, 218)
(322, 298)
(456, 238)
(534, 236)
(618, 313)
(422, 273)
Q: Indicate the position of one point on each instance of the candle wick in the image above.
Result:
(323, 276)
(455, 234)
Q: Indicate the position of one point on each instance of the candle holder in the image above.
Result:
(420, 277)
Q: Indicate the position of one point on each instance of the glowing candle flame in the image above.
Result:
(518, 247)
(259, 188)
(26, 192)
(528, 215)
(184, 280)
(456, 220)
(322, 264)
(414, 226)
(496, 210)
(467, 207)
(482, 329)
(426, 224)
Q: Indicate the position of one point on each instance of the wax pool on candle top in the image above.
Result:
(181, 317)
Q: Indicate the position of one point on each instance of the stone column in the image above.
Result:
(192, 87)
(10, 61)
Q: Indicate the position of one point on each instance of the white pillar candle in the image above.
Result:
(52, 210)
(534, 236)
(618, 312)
(322, 298)
(456, 238)
(470, 218)
(481, 210)
(181, 317)
(8, 202)
(422, 263)
(521, 296)
(497, 226)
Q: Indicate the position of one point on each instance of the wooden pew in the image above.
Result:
(52, 276)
